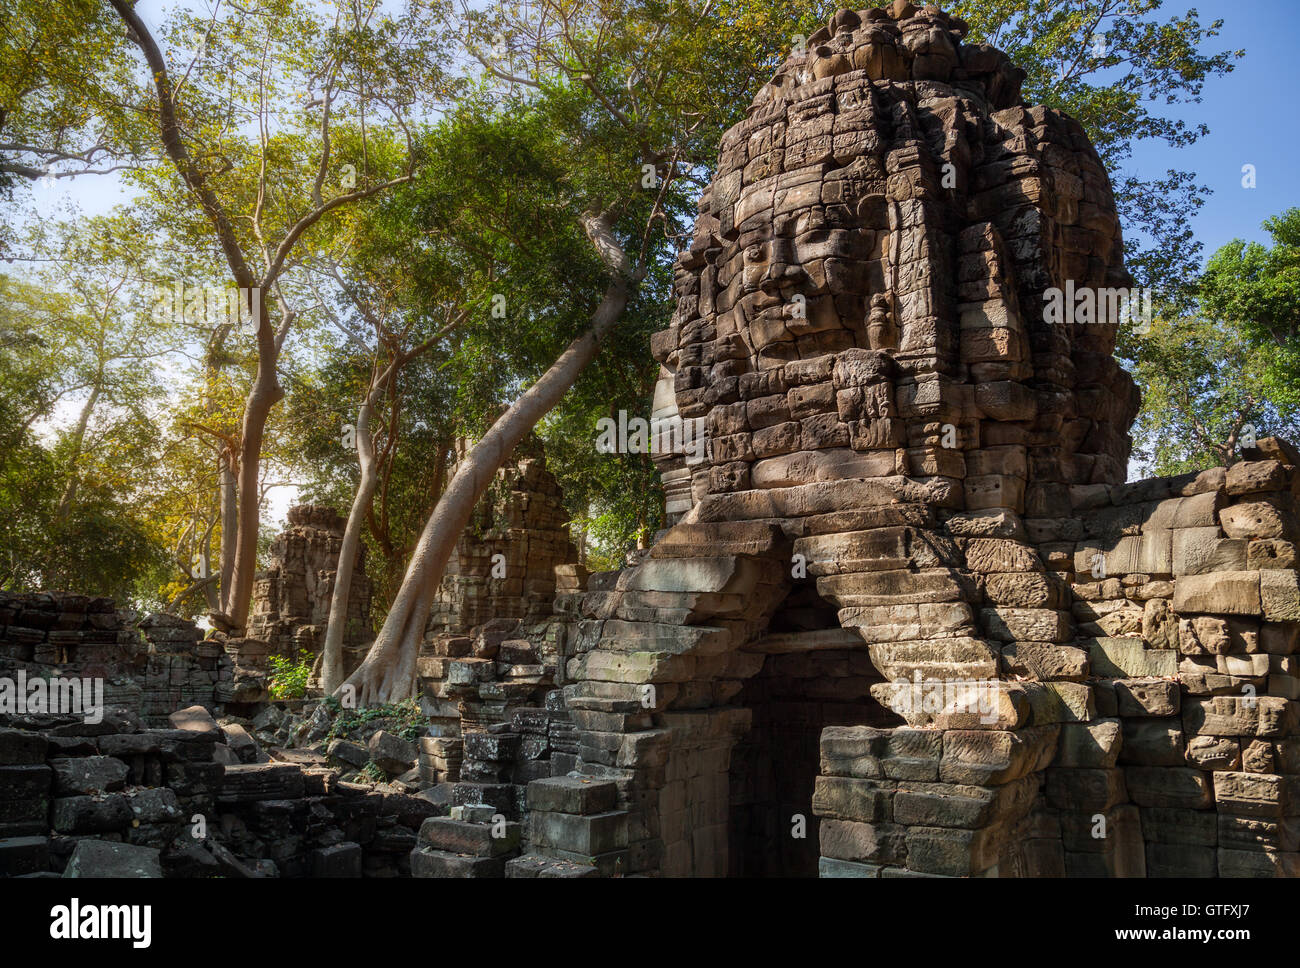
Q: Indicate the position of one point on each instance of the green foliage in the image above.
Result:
(1228, 372)
(257, 136)
(609, 87)
(494, 213)
(1256, 289)
(78, 392)
(1201, 384)
(60, 62)
(289, 677)
(615, 500)
(403, 718)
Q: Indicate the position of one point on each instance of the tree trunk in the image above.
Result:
(78, 443)
(332, 659)
(388, 672)
(265, 393)
(229, 523)
(211, 589)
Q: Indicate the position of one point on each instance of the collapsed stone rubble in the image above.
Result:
(118, 799)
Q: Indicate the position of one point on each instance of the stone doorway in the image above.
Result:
(814, 674)
(746, 665)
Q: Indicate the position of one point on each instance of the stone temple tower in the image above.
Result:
(908, 599)
(890, 208)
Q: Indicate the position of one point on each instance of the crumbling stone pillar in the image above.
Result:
(489, 669)
(504, 566)
(657, 660)
(291, 599)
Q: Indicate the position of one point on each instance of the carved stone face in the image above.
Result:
(807, 254)
(867, 276)
(788, 275)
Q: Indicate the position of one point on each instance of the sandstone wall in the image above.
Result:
(154, 666)
(291, 599)
(1150, 712)
(521, 519)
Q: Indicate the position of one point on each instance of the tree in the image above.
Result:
(480, 221)
(63, 65)
(615, 500)
(1205, 393)
(257, 200)
(78, 391)
(107, 344)
(412, 428)
(1256, 289)
(394, 351)
(1214, 379)
(626, 101)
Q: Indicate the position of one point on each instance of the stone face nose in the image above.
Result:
(780, 276)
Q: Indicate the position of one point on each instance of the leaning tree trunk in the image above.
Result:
(78, 443)
(332, 660)
(229, 524)
(388, 672)
(265, 394)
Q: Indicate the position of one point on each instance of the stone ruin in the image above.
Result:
(291, 598)
(116, 796)
(909, 603)
(909, 618)
(290, 608)
(523, 521)
(287, 794)
(117, 799)
(494, 652)
(152, 665)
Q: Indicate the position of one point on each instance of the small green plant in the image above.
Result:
(289, 676)
(405, 718)
(373, 772)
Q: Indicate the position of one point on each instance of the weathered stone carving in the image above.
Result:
(907, 598)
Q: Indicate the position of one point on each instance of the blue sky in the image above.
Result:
(1252, 116)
